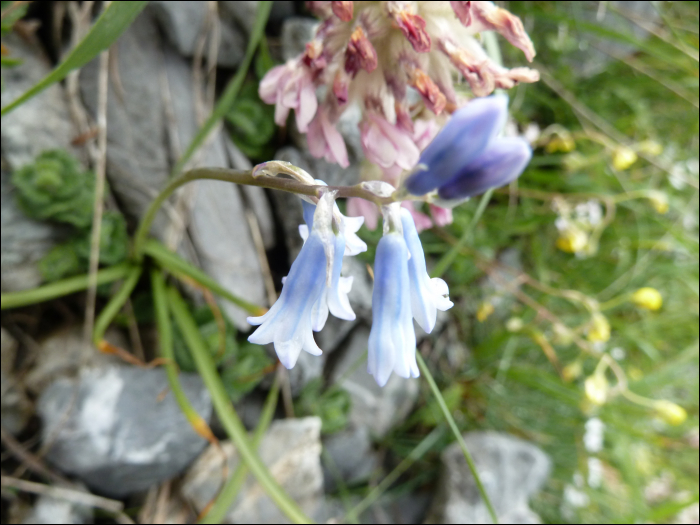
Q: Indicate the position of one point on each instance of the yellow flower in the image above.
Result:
(563, 142)
(651, 147)
(597, 389)
(659, 201)
(599, 332)
(670, 412)
(572, 371)
(648, 298)
(572, 240)
(623, 158)
(484, 311)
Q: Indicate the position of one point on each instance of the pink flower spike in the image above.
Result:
(489, 17)
(342, 10)
(422, 221)
(290, 86)
(462, 12)
(387, 145)
(360, 53)
(424, 132)
(325, 141)
(412, 26)
(441, 216)
(361, 208)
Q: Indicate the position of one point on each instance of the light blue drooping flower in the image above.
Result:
(392, 340)
(468, 157)
(311, 285)
(427, 295)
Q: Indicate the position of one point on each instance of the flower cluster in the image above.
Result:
(398, 61)
(403, 290)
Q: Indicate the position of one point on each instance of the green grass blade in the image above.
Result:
(458, 435)
(424, 446)
(114, 20)
(115, 303)
(60, 288)
(230, 490)
(227, 415)
(234, 86)
(165, 344)
(172, 262)
(447, 259)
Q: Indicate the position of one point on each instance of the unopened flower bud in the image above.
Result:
(597, 389)
(648, 298)
(659, 201)
(623, 158)
(412, 26)
(572, 240)
(561, 142)
(484, 312)
(572, 371)
(651, 147)
(670, 412)
(599, 331)
(514, 324)
(428, 89)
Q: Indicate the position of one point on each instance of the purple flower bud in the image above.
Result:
(502, 162)
(463, 139)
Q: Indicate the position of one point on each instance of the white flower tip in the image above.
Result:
(304, 232)
(255, 321)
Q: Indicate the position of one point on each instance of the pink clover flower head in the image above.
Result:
(325, 141)
(290, 86)
(387, 145)
(467, 158)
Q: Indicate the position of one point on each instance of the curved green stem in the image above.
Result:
(247, 178)
(165, 344)
(458, 435)
(61, 288)
(229, 419)
(115, 303)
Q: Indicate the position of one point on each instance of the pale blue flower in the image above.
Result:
(288, 324)
(392, 340)
(312, 288)
(467, 157)
(427, 295)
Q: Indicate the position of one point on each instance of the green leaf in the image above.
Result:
(109, 26)
(55, 187)
(245, 370)
(11, 12)
(332, 405)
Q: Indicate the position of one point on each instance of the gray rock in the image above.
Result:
(360, 295)
(64, 353)
(255, 197)
(48, 509)
(240, 13)
(138, 163)
(39, 124)
(375, 408)
(511, 470)
(185, 23)
(291, 450)
(351, 457)
(16, 407)
(296, 32)
(119, 429)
